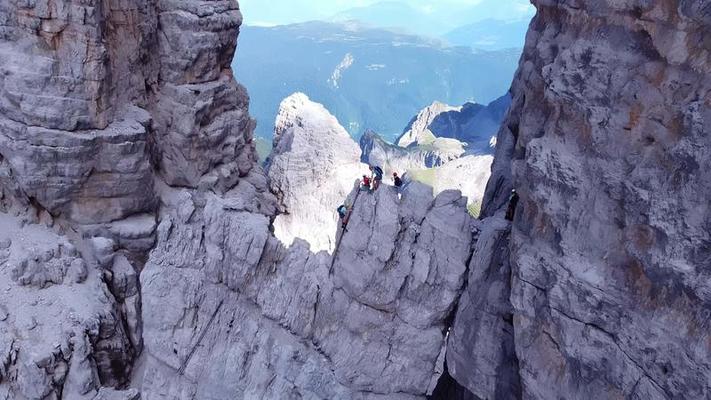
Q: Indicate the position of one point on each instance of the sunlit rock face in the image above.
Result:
(137, 251)
(311, 169)
(473, 124)
(394, 158)
(443, 146)
(606, 143)
(231, 313)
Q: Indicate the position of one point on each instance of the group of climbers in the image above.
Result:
(370, 184)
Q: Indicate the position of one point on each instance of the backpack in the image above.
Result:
(398, 181)
(342, 211)
(378, 173)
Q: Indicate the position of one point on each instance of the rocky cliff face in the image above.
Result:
(125, 151)
(102, 105)
(311, 169)
(443, 146)
(473, 124)
(394, 158)
(610, 247)
(231, 313)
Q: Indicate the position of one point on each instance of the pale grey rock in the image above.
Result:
(201, 112)
(429, 153)
(468, 174)
(78, 271)
(473, 124)
(605, 143)
(41, 266)
(322, 329)
(84, 181)
(417, 131)
(480, 348)
(99, 102)
(198, 40)
(125, 288)
(135, 233)
(611, 246)
(82, 379)
(203, 126)
(122, 130)
(59, 334)
(102, 250)
(394, 158)
(105, 106)
(311, 169)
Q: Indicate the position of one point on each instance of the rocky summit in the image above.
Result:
(144, 253)
(311, 168)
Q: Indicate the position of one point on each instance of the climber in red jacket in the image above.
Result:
(365, 185)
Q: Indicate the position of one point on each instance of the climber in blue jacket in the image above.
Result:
(344, 214)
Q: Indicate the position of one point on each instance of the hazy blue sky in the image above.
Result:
(273, 12)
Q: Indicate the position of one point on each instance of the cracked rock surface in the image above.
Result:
(250, 318)
(103, 105)
(137, 254)
(606, 143)
(311, 169)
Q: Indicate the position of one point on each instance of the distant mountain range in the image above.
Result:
(443, 146)
(369, 78)
(489, 34)
(438, 18)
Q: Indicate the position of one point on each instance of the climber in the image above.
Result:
(344, 214)
(396, 180)
(377, 176)
(513, 202)
(365, 184)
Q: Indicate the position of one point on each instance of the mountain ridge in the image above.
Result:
(407, 72)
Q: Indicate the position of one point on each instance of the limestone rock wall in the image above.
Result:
(610, 248)
(203, 128)
(311, 169)
(103, 105)
(126, 152)
(393, 158)
(64, 110)
(231, 313)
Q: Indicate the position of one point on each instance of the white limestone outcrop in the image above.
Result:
(311, 169)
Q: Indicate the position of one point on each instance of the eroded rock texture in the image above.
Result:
(311, 169)
(471, 123)
(443, 146)
(102, 105)
(231, 313)
(610, 248)
(125, 152)
(394, 158)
